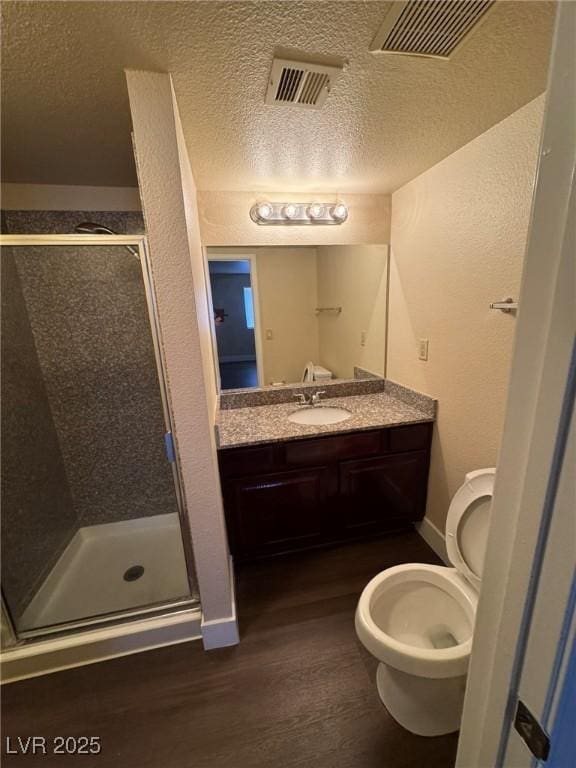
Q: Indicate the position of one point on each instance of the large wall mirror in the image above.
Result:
(284, 315)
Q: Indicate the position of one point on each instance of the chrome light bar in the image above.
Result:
(299, 214)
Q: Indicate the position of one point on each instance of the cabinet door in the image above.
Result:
(382, 493)
(277, 512)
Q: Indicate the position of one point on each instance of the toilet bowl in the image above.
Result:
(418, 619)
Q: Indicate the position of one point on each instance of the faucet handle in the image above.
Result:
(301, 397)
(316, 396)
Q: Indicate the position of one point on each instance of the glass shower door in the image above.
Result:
(91, 523)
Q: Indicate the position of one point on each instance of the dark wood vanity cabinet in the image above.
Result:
(282, 497)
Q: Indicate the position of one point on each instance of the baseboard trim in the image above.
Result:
(236, 359)
(434, 538)
(221, 633)
(46, 656)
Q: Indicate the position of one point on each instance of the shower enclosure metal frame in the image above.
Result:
(153, 610)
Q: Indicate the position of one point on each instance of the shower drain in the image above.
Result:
(133, 573)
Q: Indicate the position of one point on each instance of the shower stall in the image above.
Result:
(94, 530)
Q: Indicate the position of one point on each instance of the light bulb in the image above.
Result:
(339, 212)
(264, 210)
(290, 211)
(315, 211)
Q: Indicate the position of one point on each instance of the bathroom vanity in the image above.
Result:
(289, 487)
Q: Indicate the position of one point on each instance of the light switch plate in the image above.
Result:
(423, 349)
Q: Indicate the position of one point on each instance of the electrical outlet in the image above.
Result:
(363, 335)
(423, 349)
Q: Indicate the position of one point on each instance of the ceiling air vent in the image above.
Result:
(429, 27)
(301, 84)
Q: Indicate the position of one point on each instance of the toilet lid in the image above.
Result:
(468, 523)
(308, 374)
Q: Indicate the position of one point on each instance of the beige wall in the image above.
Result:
(225, 220)
(458, 239)
(287, 293)
(58, 197)
(167, 190)
(199, 273)
(354, 277)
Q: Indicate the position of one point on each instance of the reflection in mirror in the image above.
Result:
(284, 315)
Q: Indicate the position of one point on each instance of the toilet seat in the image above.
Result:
(468, 522)
(428, 597)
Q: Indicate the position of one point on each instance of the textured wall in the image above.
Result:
(38, 518)
(89, 318)
(458, 238)
(356, 279)
(225, 220)
(168, 199)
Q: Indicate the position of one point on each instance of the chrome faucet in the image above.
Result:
(315, 399)
(310, 400)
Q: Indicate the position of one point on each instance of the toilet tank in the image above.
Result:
(321, 373)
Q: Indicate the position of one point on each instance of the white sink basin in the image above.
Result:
(319, 414)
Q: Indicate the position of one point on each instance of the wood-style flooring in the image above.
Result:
(238, 375)
(299, 691)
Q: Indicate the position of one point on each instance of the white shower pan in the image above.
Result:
(88, 579)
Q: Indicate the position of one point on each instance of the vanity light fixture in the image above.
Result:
(300, 214)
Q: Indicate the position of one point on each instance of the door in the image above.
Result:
(549, 623)
(235, 316)
(520, 661)
(384, 492)
(277, 512)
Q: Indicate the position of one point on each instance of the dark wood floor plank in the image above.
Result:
(299, 691)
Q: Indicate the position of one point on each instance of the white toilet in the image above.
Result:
(418, 619)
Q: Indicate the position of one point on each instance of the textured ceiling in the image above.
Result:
(65, 108)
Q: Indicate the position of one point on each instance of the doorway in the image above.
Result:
(235, 313)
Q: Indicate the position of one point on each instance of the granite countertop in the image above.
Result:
(237, 427)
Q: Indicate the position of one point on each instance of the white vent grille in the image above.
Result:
(429, 27)
(300, 84)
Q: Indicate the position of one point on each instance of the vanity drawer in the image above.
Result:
(323, 450)
(236, 462)
(410, 438)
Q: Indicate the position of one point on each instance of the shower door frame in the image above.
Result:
(156, 610)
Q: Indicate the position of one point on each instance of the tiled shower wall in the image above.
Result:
(90, 335)
(38, 518)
